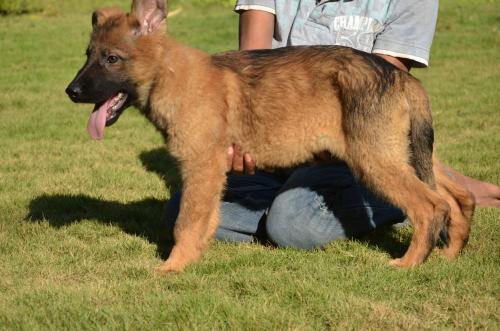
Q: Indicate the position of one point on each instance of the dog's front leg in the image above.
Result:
(199, 213)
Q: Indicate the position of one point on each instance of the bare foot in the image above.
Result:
(486, 194)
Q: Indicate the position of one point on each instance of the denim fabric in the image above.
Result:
(309, 208)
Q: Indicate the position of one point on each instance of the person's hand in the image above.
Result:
(239, 162)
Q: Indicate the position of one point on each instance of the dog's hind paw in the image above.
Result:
(449, 252)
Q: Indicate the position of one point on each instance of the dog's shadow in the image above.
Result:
(142, 218)
(145, 217)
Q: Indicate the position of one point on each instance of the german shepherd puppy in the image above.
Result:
(283, 106)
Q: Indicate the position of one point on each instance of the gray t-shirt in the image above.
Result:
(400, 28)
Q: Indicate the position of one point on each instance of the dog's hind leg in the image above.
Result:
(397, 182)
(462, 206)
(199, 214)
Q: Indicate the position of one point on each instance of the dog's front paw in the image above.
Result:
(168, 267)
(403, 263)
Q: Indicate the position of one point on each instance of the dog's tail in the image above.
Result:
(421, 133)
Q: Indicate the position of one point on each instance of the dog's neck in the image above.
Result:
(154, 49)
(162, 87)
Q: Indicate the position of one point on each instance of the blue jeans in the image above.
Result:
(305, 207)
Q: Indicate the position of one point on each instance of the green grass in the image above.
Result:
(80, 230)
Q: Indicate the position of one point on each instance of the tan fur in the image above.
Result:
(284, 108)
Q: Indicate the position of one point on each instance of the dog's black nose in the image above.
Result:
(74, 92)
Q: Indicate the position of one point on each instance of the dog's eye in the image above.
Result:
(112, 59)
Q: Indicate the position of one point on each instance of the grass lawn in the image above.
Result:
(80, 220)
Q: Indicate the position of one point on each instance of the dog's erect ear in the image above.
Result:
(151, 14)
(102, 15)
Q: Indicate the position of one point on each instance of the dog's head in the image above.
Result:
(106, 79)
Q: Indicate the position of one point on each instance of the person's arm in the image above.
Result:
(256, 31)
(400, 63)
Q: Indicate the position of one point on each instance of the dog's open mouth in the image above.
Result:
(105, 114)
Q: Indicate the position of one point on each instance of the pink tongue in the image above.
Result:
(97, 121)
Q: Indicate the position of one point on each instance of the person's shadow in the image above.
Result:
(144, 218)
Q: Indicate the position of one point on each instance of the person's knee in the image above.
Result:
(237, 223)
(298, 218)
